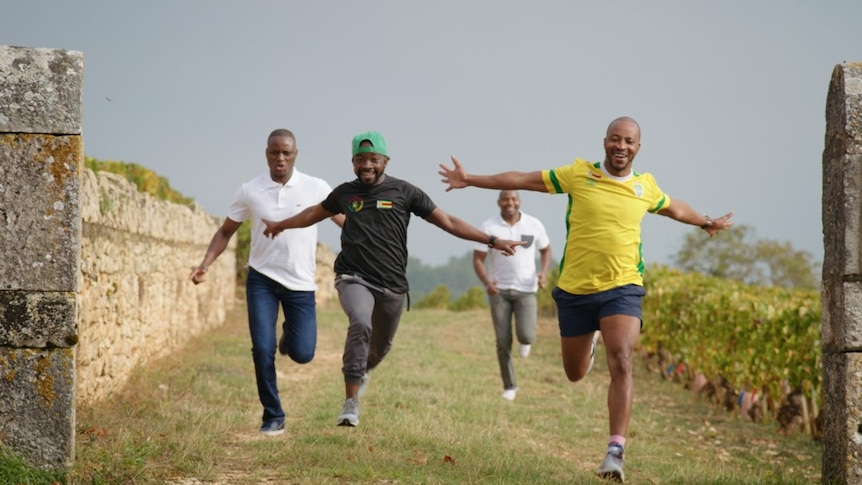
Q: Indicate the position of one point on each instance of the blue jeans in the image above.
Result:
(263, 296)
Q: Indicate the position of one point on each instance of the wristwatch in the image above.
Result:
(491, 241)
(707, 224)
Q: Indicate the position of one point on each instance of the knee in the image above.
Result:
(575, 375)
(302, 358)
(620, 364)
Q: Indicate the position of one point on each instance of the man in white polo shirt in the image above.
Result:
(512, 281)
(280, 271)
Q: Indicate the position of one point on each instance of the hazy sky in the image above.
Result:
(730, 96)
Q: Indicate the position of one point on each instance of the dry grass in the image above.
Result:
(432, 415)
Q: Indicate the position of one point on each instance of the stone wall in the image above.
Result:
(842, 278)
(136, 301)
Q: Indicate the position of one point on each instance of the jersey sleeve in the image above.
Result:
(660, 200)
(420, 203)
(560, 180)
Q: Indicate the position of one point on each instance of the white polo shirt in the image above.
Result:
(517, 272)
(290, 257)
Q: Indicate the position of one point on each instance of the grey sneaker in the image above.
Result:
(349, 413)
(273, 428)
(593, 352)
(363, 384)
(612, 467)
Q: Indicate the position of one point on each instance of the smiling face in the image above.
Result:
(369, 166)
(510, 205)
(281, 156)
(622, 143)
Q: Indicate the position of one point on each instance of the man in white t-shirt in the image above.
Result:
(280, 271)
(512, 281)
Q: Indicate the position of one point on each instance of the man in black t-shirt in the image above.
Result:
(371, 270)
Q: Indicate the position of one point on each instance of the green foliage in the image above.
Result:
(473, 299)
(15, 470)
(736, 254)
(243, 247)
(143, 178)
(438, 298)
(457, 274)
(753, 336)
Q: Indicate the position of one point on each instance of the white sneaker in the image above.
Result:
(509, 394)
(349, 413)
(524, 349)
(593, 352)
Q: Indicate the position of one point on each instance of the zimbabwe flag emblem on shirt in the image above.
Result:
(384, 204)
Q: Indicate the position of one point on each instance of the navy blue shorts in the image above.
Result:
(580, 314)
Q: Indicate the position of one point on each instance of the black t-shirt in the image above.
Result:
(374, 236)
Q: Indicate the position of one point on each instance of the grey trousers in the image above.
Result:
(373, 314)
(505, 305)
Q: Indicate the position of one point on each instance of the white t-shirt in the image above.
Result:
(290, 257)
(517, 272)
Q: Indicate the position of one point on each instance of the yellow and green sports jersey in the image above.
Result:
(603, 225)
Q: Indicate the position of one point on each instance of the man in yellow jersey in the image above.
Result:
(601, 278)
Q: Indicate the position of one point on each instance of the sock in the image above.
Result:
(617, 439)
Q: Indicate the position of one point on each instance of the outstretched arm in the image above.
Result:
(312, 215)
(338, 219)
(679, 210)
(458, 178)
(459, 228)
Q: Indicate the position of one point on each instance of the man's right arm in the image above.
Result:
(481, 273)
(217, 246)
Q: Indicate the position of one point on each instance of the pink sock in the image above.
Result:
(618, 439)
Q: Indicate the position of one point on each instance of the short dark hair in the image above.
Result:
(281, 132)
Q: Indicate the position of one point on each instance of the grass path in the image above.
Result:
(432, 415)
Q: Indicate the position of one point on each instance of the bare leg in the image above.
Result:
(620, 335)
(576, 355)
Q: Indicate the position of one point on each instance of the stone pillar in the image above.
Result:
(41, 158)
(842, 278)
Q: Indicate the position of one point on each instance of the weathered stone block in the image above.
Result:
(37, 319)
(42, 90)
(842, 174)
(842, 418)
(40, 224)
(37, 405)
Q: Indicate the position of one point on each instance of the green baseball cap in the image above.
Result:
(378, 144)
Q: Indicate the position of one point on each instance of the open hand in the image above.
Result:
(455, 177)
(719, 224)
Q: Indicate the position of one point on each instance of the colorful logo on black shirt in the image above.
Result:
(384, 204)
(355, 204)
